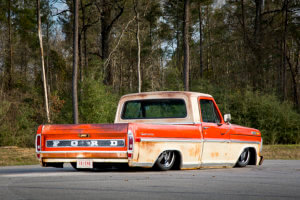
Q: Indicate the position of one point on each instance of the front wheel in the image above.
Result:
(166, 160)
(244, 158)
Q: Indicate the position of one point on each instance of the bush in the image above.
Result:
(18, 124)
(97, 103)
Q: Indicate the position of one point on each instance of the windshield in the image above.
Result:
(154, 108)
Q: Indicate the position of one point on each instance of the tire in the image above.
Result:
(165, 160)
(244, 158)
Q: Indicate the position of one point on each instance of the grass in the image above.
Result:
(17, 156)
(26, 156)
(283, 152)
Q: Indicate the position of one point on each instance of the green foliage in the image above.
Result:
(97, 103)
(278, 122)
(18, 122)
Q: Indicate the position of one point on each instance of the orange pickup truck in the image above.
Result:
(165, 130)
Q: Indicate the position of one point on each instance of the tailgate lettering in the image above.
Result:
(86, 143)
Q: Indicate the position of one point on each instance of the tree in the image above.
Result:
(106, 8)
(42, 60)
(10, 65)
(75, 63)
(186, 46)
(138, 46)
(200, 40)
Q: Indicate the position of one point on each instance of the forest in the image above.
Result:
(69, 61)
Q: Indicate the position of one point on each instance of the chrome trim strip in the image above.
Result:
(216, 140)
(83, 152)
(170, 140)
(145, 164)
(84, 139)
(191, 165)
(246, 142)
(67, 160)
(123, 140)
(231, 141)
(195, 140)
(246, 135)
(147, 134)
(216, 164)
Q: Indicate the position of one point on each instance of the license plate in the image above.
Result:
(84, 163)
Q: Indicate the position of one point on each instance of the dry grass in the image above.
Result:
(284, 152)
(17, 156)
(26, 156)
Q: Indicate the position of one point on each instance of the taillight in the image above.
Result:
(130, 144)
(38, 143)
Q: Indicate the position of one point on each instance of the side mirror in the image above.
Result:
(227, 118)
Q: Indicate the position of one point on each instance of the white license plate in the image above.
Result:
(84, 163)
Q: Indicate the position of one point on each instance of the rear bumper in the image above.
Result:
(57, 157)
(84, 154)
(95, 160)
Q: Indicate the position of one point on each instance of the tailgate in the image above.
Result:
(84, 140)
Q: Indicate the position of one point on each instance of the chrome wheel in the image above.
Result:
(166, 160)
(244, 158)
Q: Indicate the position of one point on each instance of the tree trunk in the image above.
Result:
(246, 72)
(47, 64)
(200, 41)
(177, 36)
(83, 65)
(257, 72)
(75, 62)
(106, 27)
(80, 58)
(42, 61)
(10, 59)
(284, 55)
(208, 43)
(186, 46)
(105, 18)
(138, 46)
(295, 86)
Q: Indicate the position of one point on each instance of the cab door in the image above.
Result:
(215, 134)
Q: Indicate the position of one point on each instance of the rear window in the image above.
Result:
(154, 108)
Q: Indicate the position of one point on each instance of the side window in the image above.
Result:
(209, 111)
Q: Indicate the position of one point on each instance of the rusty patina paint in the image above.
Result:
(197, 147)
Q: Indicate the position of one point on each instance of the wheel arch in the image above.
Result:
(178, 158)
(253, 155)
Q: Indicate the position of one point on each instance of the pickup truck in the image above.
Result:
(164, 130)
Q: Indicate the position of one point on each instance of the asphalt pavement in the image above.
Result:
(275, 179)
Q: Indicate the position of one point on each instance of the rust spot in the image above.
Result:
(214, 154)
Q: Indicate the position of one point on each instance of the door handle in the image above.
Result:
(206, 127)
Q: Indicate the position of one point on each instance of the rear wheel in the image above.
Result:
(166, 160)
(244, 158)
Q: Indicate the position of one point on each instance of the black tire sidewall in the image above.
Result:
(161, 167)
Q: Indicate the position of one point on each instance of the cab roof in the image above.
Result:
(166, 94)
